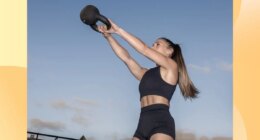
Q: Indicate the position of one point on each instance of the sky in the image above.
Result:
(77, 86)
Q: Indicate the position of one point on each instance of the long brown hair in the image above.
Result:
(189, 91)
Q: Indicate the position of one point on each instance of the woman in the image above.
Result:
(157, 84)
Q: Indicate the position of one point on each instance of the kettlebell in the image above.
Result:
(90, 15)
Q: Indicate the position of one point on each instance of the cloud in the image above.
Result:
(60, 105)
(225, 66)
(80, 120)
(40, 125)
(86, 102)
(183, 135)
(91, 138)
(63, 105)
(80, 113)
(204, 69)
(127, 138)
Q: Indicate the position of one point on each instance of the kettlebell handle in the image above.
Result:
(104, 20)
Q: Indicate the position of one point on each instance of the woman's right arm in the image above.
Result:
(142, 48)
(123, 54)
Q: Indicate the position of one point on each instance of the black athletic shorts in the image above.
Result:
(153, 119)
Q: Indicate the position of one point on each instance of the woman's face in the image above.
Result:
(162, 47)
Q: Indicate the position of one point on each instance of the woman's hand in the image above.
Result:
(114, 28)
(106, 33)
(103, 30)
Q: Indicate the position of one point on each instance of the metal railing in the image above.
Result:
(35, 136)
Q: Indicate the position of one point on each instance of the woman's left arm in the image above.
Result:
(142, 48)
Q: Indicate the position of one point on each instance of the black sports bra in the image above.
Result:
(153, 84)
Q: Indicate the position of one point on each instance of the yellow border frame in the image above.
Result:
(246, 114)
(13, 69)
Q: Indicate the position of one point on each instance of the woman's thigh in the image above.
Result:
(161, 136)
(135, 138)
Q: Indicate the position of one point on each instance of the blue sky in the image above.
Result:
(76, 85)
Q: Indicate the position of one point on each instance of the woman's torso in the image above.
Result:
(154, 89)
(153, 99)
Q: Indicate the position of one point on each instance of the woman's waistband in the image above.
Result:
(155, 107)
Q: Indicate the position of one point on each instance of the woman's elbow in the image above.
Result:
(126, 59)
(144, 50)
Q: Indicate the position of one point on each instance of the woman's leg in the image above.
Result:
(135, 138)
(161, 136)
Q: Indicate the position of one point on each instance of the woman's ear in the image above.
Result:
(171, 51)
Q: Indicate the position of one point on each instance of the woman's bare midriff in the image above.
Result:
(153, 99)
